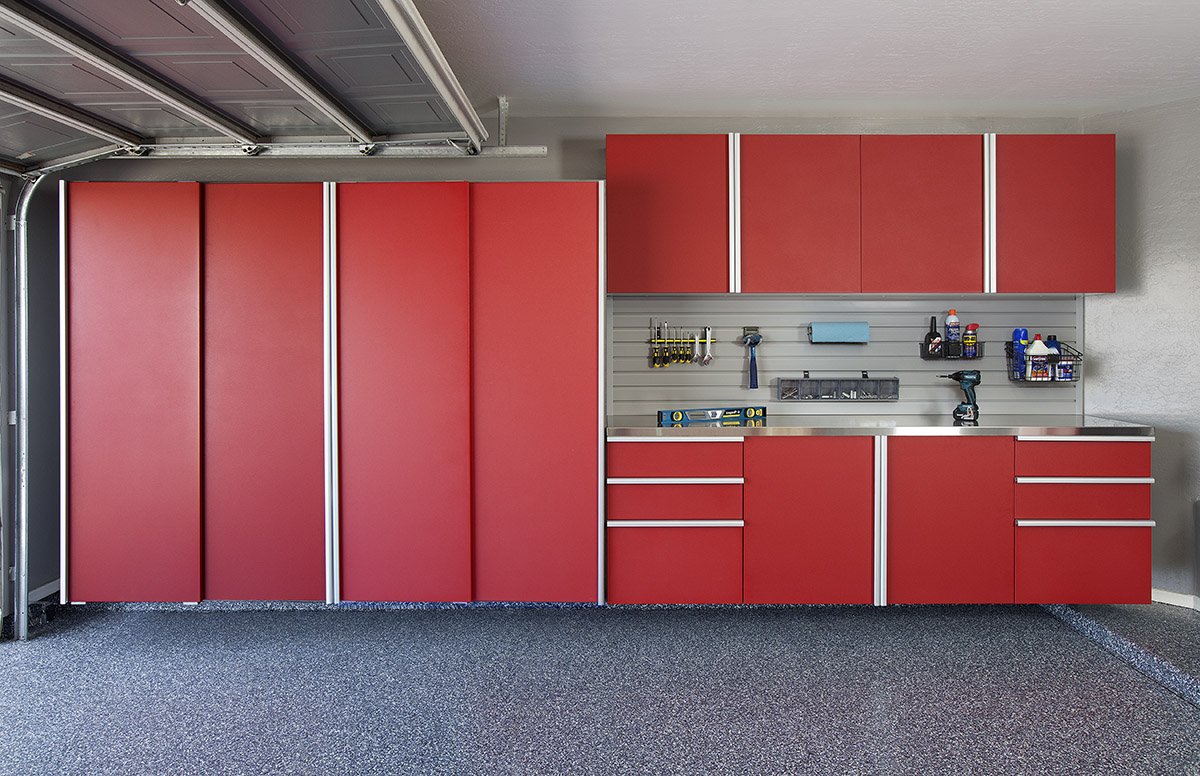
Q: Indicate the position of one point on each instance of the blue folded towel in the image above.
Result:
(839, 331)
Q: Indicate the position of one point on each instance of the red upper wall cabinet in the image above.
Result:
(264, 469)
(922, 214)
(1056, 213)
(134, 398)
(668, 214)
(800, 213)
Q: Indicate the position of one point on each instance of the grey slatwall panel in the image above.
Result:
(897, 326)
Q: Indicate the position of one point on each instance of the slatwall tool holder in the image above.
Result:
(865, 388)
(1066, 367)
(664, 351)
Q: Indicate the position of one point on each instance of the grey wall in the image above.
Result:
(1157, 272)
(1143, 339)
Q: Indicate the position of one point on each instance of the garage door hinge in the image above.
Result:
(12, 417)
(12, 573)
(12, 223)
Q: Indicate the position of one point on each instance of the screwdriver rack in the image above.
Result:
(675, 345)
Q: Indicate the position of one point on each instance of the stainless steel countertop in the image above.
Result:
(888, 425)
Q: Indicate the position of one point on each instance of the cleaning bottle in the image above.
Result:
(953, 328)
(971, 341)
(1037, 360)
(1062, 366)
(1020, 339)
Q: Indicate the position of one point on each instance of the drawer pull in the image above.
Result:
(1085, 480)
(733, 439)
(1086, 523)
(676, 523)
(676, 480)
(1085, 439)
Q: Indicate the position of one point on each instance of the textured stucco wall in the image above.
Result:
(1142, 341)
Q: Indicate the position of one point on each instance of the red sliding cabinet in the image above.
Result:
(1056, 213)
(800, 213)
(264, 471)
(668, 214)
(134, 391)
(810, 520)
(535, 335)
(922, 214)
(404, 390)
(950, 520)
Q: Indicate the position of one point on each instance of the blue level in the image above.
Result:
(709, 415)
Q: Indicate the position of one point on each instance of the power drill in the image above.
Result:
(967, 378)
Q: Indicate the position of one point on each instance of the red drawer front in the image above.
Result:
(674, 459)
(1083, 459)
(1083, 565)
(674, 502)
(675, 565)
(1083, 501)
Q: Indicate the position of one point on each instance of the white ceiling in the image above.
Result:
(1063, 58)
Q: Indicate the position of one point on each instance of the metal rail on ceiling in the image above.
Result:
(41, 25)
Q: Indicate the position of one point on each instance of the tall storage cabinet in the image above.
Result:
(535, 302)
(133, 415)
(404, 345)
(264, 474)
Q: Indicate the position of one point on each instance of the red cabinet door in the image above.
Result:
(534, 274)
(134, 397)
(668, 214)
(674, 565)
(264, 471)
(1056, 213)
(404, 381)
(1083, 565)
(800, 213)
(950, 520)
(922, 213)
(810, 520)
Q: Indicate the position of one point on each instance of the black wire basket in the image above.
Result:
(1066, 367)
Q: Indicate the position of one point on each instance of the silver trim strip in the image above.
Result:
(990, 216)
(1086, 523)
(737, 211)
(1085, 439)
(731, 194)
(987, 224)
(876, 530)
(676, 523)
(1085, 480)
(737, 440)
(601, 400)
(883, 521)
(333, 593)
(63, 406)
(676, 480)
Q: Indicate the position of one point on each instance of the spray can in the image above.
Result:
(1020, 338)
(971, 341)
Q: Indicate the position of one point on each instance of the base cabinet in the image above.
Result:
(950, 540)
(1083, 564)
(809, 511)
(674, 565)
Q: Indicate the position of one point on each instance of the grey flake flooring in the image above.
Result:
(700, 690)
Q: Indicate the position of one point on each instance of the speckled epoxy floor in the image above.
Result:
(770, 690)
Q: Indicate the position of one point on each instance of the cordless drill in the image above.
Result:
(967, 378)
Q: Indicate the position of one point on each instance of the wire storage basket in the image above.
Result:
(1066, 367)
